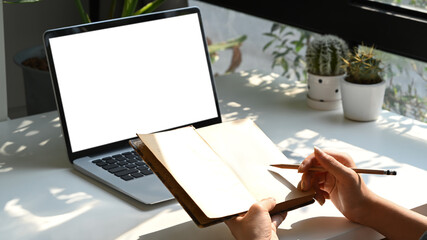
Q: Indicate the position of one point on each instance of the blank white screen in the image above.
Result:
(137, 78)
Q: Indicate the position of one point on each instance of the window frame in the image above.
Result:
(396, 29)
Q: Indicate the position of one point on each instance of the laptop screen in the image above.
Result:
(139, 77)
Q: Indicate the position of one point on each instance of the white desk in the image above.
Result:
(42, 197)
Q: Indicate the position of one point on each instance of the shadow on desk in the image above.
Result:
(123, 197)
(251, 94)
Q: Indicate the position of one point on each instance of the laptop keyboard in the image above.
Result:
(127, 166)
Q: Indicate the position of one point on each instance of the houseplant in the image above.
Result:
(324, 58)
(34, 68)
(363, 88)
(129, 8)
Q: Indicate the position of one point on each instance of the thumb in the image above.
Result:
(268, 203)
(330, 164)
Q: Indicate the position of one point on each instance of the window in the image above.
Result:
(395, 27)
(417, 5)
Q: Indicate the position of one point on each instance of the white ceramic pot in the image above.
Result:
(362, 102)
(324, 91)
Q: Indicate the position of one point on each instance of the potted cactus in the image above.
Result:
(324, 58)
(363, 88)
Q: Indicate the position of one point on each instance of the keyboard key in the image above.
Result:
(132, 160)
(137, 175)
(101, 163)
(130, 165)
(142, 168)
(127, 154)
(111, 160)
(146, 171)
(120, 158)
(117, 169)
(127, 177)
(111, 166)
(121, 163)
(125, 172)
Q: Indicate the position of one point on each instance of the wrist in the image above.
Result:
(365, 212)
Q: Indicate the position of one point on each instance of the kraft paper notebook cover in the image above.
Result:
(219, 171)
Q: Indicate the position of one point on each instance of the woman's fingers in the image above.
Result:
(277, 219)
(330, 164)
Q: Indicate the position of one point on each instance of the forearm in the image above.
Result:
(394, 221)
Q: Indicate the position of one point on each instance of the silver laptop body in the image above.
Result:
(116, 78)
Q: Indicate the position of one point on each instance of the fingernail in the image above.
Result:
(301, 166)
(302, 185)
(316, 149)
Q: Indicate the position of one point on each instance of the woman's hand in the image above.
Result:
(356, 202)
(339, 183)
(257, 223)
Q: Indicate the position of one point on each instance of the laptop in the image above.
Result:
(116, 78)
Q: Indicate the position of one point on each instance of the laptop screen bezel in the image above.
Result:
(109, 24)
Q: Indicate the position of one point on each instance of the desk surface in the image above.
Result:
(43, 197)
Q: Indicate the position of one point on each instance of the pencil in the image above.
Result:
(320, 169)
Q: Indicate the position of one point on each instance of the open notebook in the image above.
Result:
(218, 171)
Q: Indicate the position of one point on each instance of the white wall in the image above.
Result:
(24, 25)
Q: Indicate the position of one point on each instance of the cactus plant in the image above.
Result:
(325, 56)
(362, 67)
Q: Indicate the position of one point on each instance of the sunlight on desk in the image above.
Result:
(40, 223)
(403, 125)
(162, 221)
(189, 230)
(3, 170)
(256, 78)
(42, 197)
(302, 144)
(295, 128)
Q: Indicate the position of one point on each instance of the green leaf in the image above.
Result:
(149, 7)
(285, 65)
(129, 7)
(272, 35)
(288, 34)
(112, 8)
(273, 64)
(274, 27)
(283, 54)
(267, 45)
(298, 45)
(284, 42)
(298, 60)
(83, 14)
(228, 44)
(298, 75)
